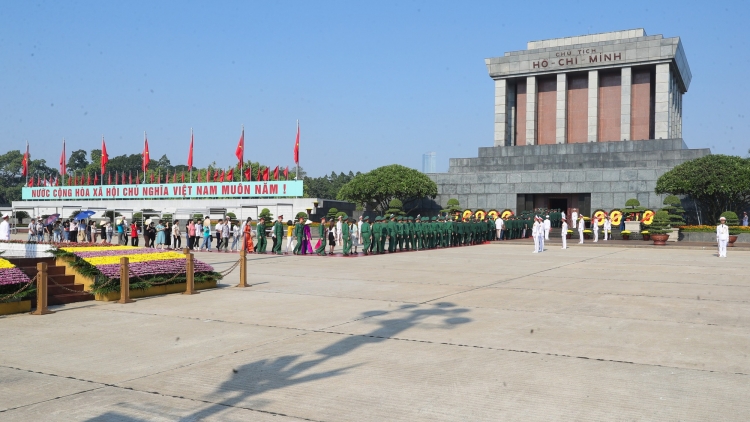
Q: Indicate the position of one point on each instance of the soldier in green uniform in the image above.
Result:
(383, 233)
(262, 241)
(438, 231)
(377, 232)
(407, 234)
(323, 238)
(299, 233)
(364, 235)
(346, 238)
(278, 235)
(418, 233)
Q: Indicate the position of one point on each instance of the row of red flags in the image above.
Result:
(120, 178)
(239, 153)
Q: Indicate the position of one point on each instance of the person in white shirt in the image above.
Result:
(547, 227)
(595, 228)
(219, 239)
(535, 234)
(607, 227)
(722, 237)
(32, 231)
(359, 230)
(562, 215)
(39, 228)
(5, 229)
(574, 218)
(354, 234)
(499, 227)
(225, 230)
(235, 235)
(581, 225)
(564, 234)
(338, 230)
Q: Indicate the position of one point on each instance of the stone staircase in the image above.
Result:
(56, 294)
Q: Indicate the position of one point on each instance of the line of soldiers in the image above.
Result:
(420, 233)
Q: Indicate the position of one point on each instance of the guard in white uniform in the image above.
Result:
(722, 237)
(595, 228)
(581, 225)
(574, 217)
(565, 234)
(5, 229)
(499, 227)
(359, 230)
(535, 234)
(339, 223)
(547, 227)
(607, 227)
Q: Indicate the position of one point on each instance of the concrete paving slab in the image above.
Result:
(20, 387)
(341, 378)
(114, 345)
(111, 404)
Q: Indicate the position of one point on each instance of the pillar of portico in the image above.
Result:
(626, 81)
(561, 129)
(531, 110)
(593, 132)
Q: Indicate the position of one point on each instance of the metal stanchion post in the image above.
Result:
(41, 290)
(189, 275)
(243, 268)
(125, 281)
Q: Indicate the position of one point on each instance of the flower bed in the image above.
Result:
(711, 229)
(150, 266)
(11, 280)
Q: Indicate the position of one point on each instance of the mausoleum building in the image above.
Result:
(580, 122)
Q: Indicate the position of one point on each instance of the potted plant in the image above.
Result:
(587, 234)
(570, 233)
(625, 234)
(660, 228)
(646, 235)
(733, 222)
(675, 210)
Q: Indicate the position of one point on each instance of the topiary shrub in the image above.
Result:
(675, 210)
(660, 225)
(395, 207)
(301, 214)
(732, 219)
(632, 203)
(332, 213)
(266, 214)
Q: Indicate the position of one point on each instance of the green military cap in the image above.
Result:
(399, 218)
(377, 218)
(433, 218)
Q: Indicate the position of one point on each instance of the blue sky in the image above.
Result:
(372, 83)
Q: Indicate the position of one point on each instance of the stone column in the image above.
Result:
(593, 105)
(661, 101)
(531, 110)
(501, 116)
(510, 115)
(561, 129)
(626, 82)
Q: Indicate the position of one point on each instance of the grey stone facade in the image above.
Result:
(611, 172)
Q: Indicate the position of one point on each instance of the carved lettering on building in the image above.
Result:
(577, 57)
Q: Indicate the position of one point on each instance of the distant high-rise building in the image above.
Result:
(428, 162)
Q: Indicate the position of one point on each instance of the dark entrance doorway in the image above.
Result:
(558, 204)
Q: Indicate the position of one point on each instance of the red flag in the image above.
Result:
(174, 177)
(265, 174)
(286, 173)
(240, 151)
(199, 177)
(105, 156)
(296, 146)
(248, 173)
(137, 178)
(259, 174)
(146, 159)
(88, 178)
(25, 161)
(182, 177)
(221, 178)
(230, 175)
(109, 178)
(190, 153)
(96, 179)
(152, 177)
(130, 178)
(216, 175)
(276, 173)
(30, 183)
(57, 181)
(63, 168)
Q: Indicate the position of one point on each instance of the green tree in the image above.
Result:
(332, 213)
(266, 213)
(717, 183)
(78, 161)
(327, 186)
(660, 224)
(675, 210)
(11, 175)
(453, 207)
(378, 187)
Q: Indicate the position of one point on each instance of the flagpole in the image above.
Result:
(27, 163)
(296, 172)
(191, 164)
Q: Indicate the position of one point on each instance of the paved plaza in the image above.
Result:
(486, 333)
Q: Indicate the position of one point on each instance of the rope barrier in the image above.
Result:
(8, 297)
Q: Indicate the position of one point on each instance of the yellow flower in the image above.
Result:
(146, 257)
(5, 264)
